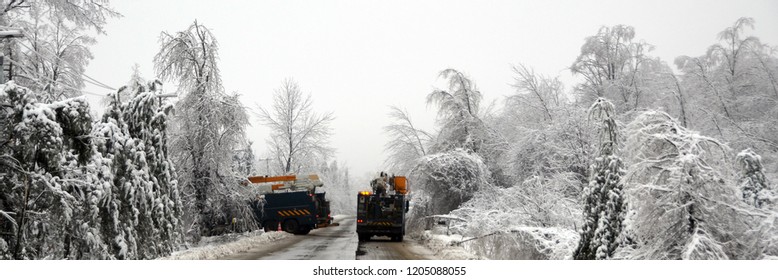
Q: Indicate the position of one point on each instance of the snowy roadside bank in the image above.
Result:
(520, 243)
(211, 248)
(217, 247)
(444, 246)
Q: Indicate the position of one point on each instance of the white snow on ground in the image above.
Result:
(552, 242)
(517, 243)
(339, 217)
(215, 247)
(444, 246)
(211, 248)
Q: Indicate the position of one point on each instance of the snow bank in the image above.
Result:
(215, 247)
(520, 243)
(445, 247)
(340, 217)
(552, 242)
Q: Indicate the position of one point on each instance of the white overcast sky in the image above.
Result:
(359, 57)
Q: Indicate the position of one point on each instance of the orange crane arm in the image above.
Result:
(264, 179)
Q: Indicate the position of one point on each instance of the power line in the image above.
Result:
(96, 82)
(87, 77)
(53, 81)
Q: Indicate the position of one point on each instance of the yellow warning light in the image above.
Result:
(364, 193)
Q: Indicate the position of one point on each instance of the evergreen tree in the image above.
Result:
(753, 183)
(604, 201)
(47, 194)
(146, 117)
(133, 140)
(110, 141)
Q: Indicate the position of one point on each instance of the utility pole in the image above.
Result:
(11, 33)
(267, 165)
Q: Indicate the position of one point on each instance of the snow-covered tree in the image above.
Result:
(84, 13)
(458, 108)
(115, 166)
(684, 207)
(768, 64)
(243, 161)
(753, 183)
(134, 86)
(540, 95)
(298, 134)
(563, 146)
(730, 91)
(461, 125)
(407, 143)
(48, 198)
(209, 127)
(51, 58)
(141, 207)
(603, 197)
(734, 48)
(341, 190)
(614, 66)
(147, 119)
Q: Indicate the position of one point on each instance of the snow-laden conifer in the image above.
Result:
(603, 197)
(753, 183)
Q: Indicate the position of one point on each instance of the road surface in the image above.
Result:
(383, 248)
(335, 243)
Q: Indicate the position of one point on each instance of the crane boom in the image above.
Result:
(266, 179)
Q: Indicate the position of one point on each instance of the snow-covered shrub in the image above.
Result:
(443, 182)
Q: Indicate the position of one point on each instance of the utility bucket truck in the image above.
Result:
(290, 203)
(382, 211)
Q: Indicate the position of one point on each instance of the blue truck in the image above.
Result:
(293, 212)
(293, 205)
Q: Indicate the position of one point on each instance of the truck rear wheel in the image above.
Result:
(364, 237)
(290, 226)
(303, 231)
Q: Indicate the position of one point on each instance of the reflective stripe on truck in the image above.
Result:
(290, 213)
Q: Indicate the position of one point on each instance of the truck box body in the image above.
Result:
(294, 212)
